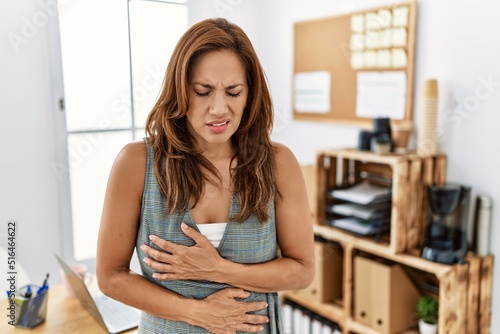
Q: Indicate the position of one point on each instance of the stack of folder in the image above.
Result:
(364, 208)
(299, 320)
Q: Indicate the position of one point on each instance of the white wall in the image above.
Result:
(456, 43)
(28, 185)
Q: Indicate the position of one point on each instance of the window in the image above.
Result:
(114, 56)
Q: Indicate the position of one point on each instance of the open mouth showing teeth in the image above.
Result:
(218, 124)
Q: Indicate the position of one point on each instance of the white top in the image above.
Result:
(213, 231)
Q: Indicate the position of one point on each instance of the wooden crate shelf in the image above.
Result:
(463, 290)
(409, 175)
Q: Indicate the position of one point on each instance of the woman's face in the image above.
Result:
(218, 95)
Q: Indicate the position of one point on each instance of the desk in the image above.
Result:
(64, 316)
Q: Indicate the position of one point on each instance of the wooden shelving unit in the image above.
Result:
(463, 290)
(410, 174)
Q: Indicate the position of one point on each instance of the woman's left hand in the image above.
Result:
(178, 262)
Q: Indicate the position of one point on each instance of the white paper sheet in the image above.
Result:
(381, 94)
(400, 17)
(399, 58)
(312, 92)
(357, 23)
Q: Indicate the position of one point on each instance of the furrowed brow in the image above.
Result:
(206, 85)
(234, 86)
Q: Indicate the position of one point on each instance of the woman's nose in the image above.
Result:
(218, 105)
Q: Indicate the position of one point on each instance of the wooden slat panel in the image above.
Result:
(427, 179)
(399, 207)
(357, 169)
(485, 294)
(440, 170)
(344, 172)
(375, 168)
(414, 204)
(452, 301)
(473, 294)
(321, 179)
(348, 280)
(332, 173)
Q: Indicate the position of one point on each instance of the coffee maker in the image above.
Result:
(446, 235)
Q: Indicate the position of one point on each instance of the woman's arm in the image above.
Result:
(116, 242)
(295, 268)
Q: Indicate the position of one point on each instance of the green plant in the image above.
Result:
(427, 309)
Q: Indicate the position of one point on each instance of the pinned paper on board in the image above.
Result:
(381, 94)
(376, 35)
(312, 92)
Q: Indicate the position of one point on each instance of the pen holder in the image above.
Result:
(31, 311)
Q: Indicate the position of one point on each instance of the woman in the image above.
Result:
(207, 199)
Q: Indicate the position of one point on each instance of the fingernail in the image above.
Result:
(143, 247)
(152, 237)
(184, 226)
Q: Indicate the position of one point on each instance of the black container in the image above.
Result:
(381, 126)
(382, 130)
(364, 141)
(446, 235)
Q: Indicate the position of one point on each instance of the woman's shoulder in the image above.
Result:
(132, 158)
(282, 153)
(134, 151)
(286, 162)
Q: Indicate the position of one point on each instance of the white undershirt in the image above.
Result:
(213, 231)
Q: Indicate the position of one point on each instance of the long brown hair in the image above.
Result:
(179, 168)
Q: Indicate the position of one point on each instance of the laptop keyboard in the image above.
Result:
(116, 314)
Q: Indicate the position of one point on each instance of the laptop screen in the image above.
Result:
(81, 292)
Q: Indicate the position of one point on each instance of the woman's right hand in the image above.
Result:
(222, 313)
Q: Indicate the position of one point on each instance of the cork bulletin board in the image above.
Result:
(335, 55)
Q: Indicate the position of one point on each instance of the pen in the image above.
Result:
(44, 285)
(24, 312)
(28, 292)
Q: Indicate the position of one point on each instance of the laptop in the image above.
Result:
(113, 316)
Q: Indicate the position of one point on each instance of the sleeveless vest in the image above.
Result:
(247, 242)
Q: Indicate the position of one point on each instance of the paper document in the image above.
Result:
(381, 94)
(362, 193)
(360, 227)
(365, 212)
(312, 92)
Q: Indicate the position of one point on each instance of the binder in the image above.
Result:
(327, 283)
(288, 317)
(362, 291)
(316, 325)
(384, 296)
(300, 320)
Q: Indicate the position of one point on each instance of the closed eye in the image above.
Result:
(201, 94)
(233, 94)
